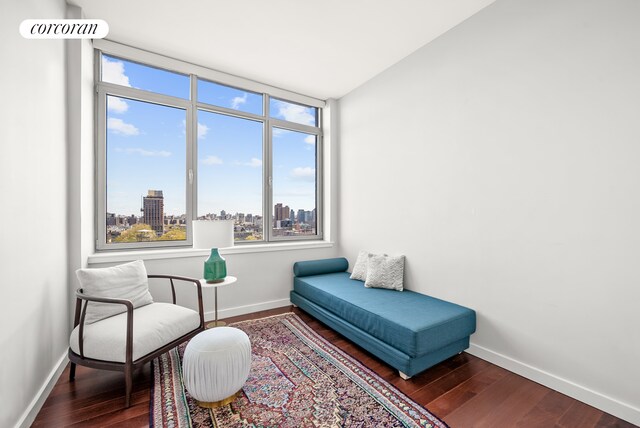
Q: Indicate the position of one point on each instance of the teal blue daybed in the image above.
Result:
(408, 330)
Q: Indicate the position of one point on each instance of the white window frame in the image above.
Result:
(191, 106)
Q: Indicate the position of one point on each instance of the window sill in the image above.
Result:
(176, 253)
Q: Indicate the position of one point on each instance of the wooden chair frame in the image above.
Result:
(129, 365)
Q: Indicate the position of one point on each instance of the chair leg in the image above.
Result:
(128, 380)
(72, 372)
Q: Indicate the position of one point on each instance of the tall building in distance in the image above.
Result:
(111, 219)
(153, 211)
(277, 212)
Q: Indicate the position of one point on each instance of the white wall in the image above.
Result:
(34, 308)
(503, 160)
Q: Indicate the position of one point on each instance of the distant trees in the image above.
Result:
(143, 233)
(176, 233)
(137, 233)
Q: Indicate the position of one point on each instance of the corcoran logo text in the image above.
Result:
(64, 29)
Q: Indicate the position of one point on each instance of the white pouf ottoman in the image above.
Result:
(216, 364)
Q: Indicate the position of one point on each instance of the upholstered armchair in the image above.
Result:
(117, 325)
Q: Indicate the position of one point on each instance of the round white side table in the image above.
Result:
(227, 281)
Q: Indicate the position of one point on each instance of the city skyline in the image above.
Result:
(153, 224)
(139, 213)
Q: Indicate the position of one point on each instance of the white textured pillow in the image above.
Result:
(127, 281)
(360, 268)
(385, 272)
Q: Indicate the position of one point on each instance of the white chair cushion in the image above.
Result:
(126, 281)
(154, 326)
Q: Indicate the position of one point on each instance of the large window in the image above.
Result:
(177, 142)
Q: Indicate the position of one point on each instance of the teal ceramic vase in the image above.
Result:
(215, 268)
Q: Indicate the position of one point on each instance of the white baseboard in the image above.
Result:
(34, 407)
(610, 405)
(247, 309)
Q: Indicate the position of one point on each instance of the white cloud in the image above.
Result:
(310, 139)
(278, 132)
(113, 72)
(117, 105)
(211, 160)
(147, 153)
(296, 113)
(304, 173)
(202, 130)
(120, 127)
(236, 102)
(254, 163)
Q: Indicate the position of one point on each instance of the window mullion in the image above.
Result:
(228, 111)
(101, 170)
(144, 96)
(267, 219)
(191, 177)
(319, 186)
(292, 126)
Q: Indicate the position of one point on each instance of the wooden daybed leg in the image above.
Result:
(404, 376)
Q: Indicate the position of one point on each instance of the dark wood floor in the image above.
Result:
(464, 391)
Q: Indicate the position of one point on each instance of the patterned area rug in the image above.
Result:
(297, 379)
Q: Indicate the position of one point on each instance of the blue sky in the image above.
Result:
(146, 147)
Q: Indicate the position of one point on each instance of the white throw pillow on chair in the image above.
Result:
(128, 281)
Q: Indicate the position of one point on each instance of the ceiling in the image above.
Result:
(323, 49)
